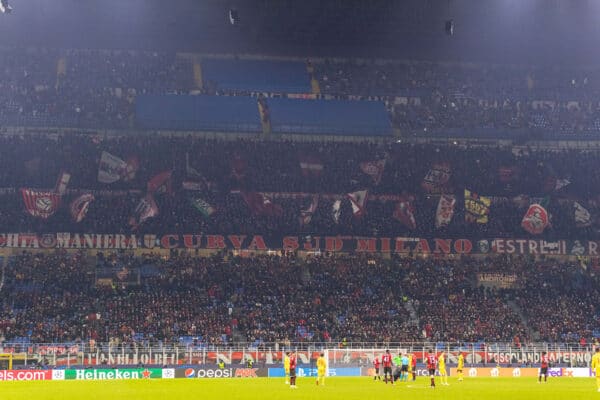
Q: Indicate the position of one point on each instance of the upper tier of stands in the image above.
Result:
(100, 89)
(256, 75)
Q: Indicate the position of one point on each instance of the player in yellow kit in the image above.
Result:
(459, 366)
(321, 369)
(442, 369)
(286, 367)
(596, 367)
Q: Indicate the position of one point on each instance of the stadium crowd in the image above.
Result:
(511, 180)
(57, 297)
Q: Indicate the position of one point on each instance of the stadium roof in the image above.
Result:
(515, 31)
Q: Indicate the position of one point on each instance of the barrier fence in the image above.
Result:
(340, 355)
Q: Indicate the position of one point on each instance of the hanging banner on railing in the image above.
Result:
(359, 244)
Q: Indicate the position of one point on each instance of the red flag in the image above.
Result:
(506, 174)
(40, 204)
(131, 168)
(374, 169)
(161, 183)
(535, 219)
(261, 204)
(405, 212)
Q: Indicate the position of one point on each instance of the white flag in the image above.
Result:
(582, 216)
(561, 183)
(111, 168)
(445, 210)
(358, 200)
(336, 210)
(62, 183)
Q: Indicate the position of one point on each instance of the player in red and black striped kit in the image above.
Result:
(543, 367)
(293, 362)
(386, 360)
(376, 366)
(431, 361)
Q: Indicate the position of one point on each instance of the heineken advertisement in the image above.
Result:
(359, 244)
(118, 374)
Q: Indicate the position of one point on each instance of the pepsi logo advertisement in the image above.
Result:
(211, 373)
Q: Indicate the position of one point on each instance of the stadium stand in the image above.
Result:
(256, 75)
(197, 113)
(329, 117)
(57, 297)
(95, 89)
(167, 191)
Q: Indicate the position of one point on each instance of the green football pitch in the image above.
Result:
(273, 388)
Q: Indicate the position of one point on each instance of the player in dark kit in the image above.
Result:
(293, 371)
(376, 366)
(543, 367)
(386, 360)
(413, 367)
(431, 361)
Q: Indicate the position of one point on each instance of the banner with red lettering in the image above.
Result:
(445, 210)
(39, 203)
(535, 219)
(80, 205)
(361, 244)
(374, 169)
